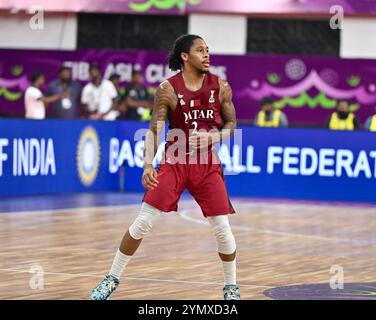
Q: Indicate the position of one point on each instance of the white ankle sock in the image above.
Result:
(229, 268)
(120, 262)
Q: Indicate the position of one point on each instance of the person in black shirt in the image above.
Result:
(68, 107)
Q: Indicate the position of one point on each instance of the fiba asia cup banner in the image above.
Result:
(305, 88)
(72, 156)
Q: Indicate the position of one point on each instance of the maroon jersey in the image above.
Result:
(196, 110)
(199, 109)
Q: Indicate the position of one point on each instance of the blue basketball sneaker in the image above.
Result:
(104, 289)
(231, 292)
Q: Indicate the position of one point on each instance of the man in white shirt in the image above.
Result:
(99, 96)
(35, 102)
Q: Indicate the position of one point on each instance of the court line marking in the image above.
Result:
(63, 210)
(239, 203)
(97, 275)
(184, 214)
(92, 208)
(131, 278)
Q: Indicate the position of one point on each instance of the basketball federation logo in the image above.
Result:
(88, 156)
(211, 99)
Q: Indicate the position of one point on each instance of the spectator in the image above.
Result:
(99, 96)
(371, 122)
(268, 116)
(35, 102)
(69, 107)
(342, 119)
(139, 101)
(120, 100)
(115, 79)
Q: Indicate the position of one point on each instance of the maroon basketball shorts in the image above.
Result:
(205, 182)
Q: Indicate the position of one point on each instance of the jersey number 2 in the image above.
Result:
(194, 123)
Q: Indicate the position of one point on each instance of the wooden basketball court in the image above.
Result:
(279, 244)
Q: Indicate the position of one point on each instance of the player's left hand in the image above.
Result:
(203, 140)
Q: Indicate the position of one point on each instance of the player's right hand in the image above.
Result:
(149, 178)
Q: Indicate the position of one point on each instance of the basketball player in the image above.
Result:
(195, 101)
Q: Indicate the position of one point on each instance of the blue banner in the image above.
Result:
(306, 164)
(54, 156)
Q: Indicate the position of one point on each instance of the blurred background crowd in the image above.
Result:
(336, 92)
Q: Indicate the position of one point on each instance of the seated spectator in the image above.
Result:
(35, 102)
(138, 99)
(342, 119)
(268, 116)
(371, 122)
(69, 107)
(99, 96)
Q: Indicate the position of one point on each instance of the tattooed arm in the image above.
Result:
(164, 99)
(227, 110)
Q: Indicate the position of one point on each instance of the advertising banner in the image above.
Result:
(306, 88)
(55, 156)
